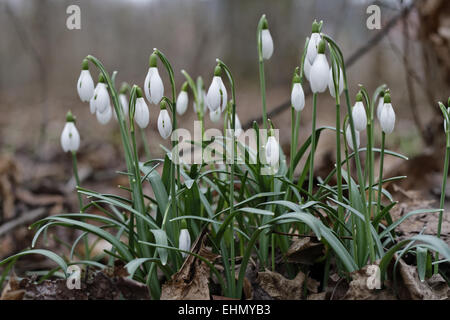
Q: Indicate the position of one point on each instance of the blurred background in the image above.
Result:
(41, 61)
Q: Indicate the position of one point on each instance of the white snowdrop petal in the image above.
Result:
(313, 43)
(105, 116)
(266, 44)
(331, 83)
(215, 115)
(297, 97)
(359, 116)
(85, 86)
(184, 241)
(156, 87)
(348, 136)
(307, 69)
(101, 98)
(380, 107)
(147, 83)
(70, 138)
(141, 114)
(164, 124)
(224, 97)
(319, 74)
(92, 105)
(387, 118)
(124, 103)
(213, 96)
(182, 102)
(272, 151)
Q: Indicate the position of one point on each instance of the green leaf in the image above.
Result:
(49, 254)
(161, 239)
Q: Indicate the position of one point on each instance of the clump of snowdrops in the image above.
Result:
(245, 213)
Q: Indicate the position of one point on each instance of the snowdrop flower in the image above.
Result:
(141, 113)
(307, 69)
(331, 83)
(266, 42)
(164, 122)
(217, 93)
(215, 115)
(272, 150)
(359, 114)
(92, 105)
(70, 138)
(348, 137)
(380, 105)
(182, 100)
(153, 85)
(105, 116)
(387, 116)
(123, 100)
(85, 84)
(318, 76)
(101, 97)
(297, 94)
(313, 44)
(184, 241)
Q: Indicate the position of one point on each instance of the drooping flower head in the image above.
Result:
(387, 116)
(85, 84)
(272, 149)
(183, 99)
(164, 122)
(217, 93)
(215, 115)
(70, 138)
(318, 76)
(266, 41)
(348, 137)
(359, 113)
(313, 44)
(184, 241)
(104, 117)
(297, 94)
(340, 82)
(380, 105)
(141, 112)
(153, 85)
(100, 98)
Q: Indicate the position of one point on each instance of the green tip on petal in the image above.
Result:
(183, 224)
(153, 60)
(387, 97)
(265, 25)
(217, 71)
(101, 78)
(315, 27)
(359, 96)
(296, 78)
(70, 117)
(321, 47)
(139, 92)
(85, 64)
(163, 105)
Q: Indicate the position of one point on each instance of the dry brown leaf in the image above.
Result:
(280, 288)
(304, 251)
(359, 290)
(191, 282)
(12, 289)
(418, 290)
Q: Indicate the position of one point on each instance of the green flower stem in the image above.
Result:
(338, 159)
(380, 179)
(80, 201)
(361, 181)
(233, 154)
(174, 168)
(444, 185)
(262, 80)
(313, 145)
